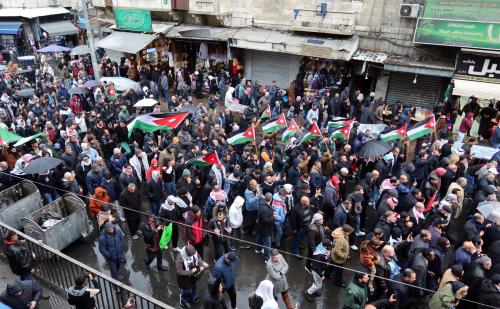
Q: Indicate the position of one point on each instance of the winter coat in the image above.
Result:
(136, 164)
(227, 272)
(20, 260)
(30, 291)
(490, 295)
(117, 164)
(154, 190)
(340, 216)
(100, 197)
(129, 200)
(331, 195)
(276, 273)
(278, 206)
(356, 296)
(419, 265)
(251, 200)
(193, 230)
(340, 251)
(265, 219)
(443, 299)
(112, 247)
(112, 188)
(213, 301)
(466, 123)
(185, 278)
(319, 263)
(315, 235)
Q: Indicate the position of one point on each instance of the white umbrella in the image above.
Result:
(122, 83)
(488, 207)
(146, 103)
(80, 50)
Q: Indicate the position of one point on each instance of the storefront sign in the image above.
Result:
(458, 33)
(134, 20)
(478, 67)
(470, 10)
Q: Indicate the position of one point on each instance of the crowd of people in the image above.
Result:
(406, 222)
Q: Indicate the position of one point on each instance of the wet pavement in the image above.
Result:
(251, 270)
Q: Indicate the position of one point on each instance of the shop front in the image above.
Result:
(12, 37)
(317, 63)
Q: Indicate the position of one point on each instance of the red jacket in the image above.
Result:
(76, 107)
(466, 123)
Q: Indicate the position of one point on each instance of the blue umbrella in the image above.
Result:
(53, 49)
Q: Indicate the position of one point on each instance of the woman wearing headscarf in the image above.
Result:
(265, 291)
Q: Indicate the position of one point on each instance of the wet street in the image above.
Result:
(163, 286)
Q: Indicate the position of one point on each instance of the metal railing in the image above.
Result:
(60, 271)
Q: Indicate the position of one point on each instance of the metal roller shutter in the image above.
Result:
(424, 93)
(269, 66)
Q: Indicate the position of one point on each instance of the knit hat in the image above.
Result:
(186, 173)
(344, 171)
(457, 270)
(190, 250)
(456, 285)
(14, 287)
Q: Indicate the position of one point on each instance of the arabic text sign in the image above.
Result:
(478, 67)
(472, 10)
(134, 20)
(458, 33)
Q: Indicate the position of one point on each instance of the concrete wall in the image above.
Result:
(38, 3)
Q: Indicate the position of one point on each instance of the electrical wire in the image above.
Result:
(247, 242)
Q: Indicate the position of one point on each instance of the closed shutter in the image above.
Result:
(424, 93)
(269, 66)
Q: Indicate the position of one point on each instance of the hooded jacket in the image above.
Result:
(340, 251)
(100, 197)
(213, 301)
(20, 260)
(236, 212)
(112, 246)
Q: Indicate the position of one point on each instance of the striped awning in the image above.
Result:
(10, 27)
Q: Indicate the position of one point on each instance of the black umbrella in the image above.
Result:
(374, 149)
(41, 165)
(77, 90)
(26, 92)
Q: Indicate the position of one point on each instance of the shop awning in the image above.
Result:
(32, 13)
(9, 27)
(408, 65)
(369, 56)
(197, 32)
(126, 42)
(480, 90)
(158, 27)
(275, 41)
(58, 28)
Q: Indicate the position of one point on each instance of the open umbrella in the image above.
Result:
(487, 208)
(122, 83)
(91, 83)
(80, 50)
(53, 49)
(77, 90)
(41, 165)
(374, 149)
(26, 92)
(146, 103)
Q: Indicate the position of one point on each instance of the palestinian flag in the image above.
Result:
(290, 131)
(6, 137)
(111, 92)
(342, 133)
(313, 133)
(339, 122)
(394, 134)
(243, 137)
(276, 125)
(156, 121)
(266, 113)
(205, 160)
(421, 129)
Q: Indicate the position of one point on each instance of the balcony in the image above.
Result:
(332, 22)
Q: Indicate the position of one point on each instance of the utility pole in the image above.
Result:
(90, 38)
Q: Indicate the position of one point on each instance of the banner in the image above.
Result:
(134, 20)
(477, 151)
(458, 33)
(471, 10)
(478, 67)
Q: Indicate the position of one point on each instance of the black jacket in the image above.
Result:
(490, 295)
(30, 292)
(129, 200)
(265, 219)
(20, 260)
(154, 190)
(319, 264)
(296, 216)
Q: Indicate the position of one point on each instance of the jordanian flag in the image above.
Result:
(394, 134)
(6, 137)
(421, 129)
(342, 133)
(266, 113)
(339, 122)
(243, 137)
(313, 133)
(205, 160)
(276, 125)
(290, 131)
(156, 121)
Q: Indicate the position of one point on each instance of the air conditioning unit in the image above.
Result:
(409, 10)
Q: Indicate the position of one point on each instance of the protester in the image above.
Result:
(111, 246)
(80, 295)
(189, 267)
(21, 295)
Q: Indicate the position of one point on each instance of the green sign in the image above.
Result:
(471, 10)
(134, 20)
(458, 33)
